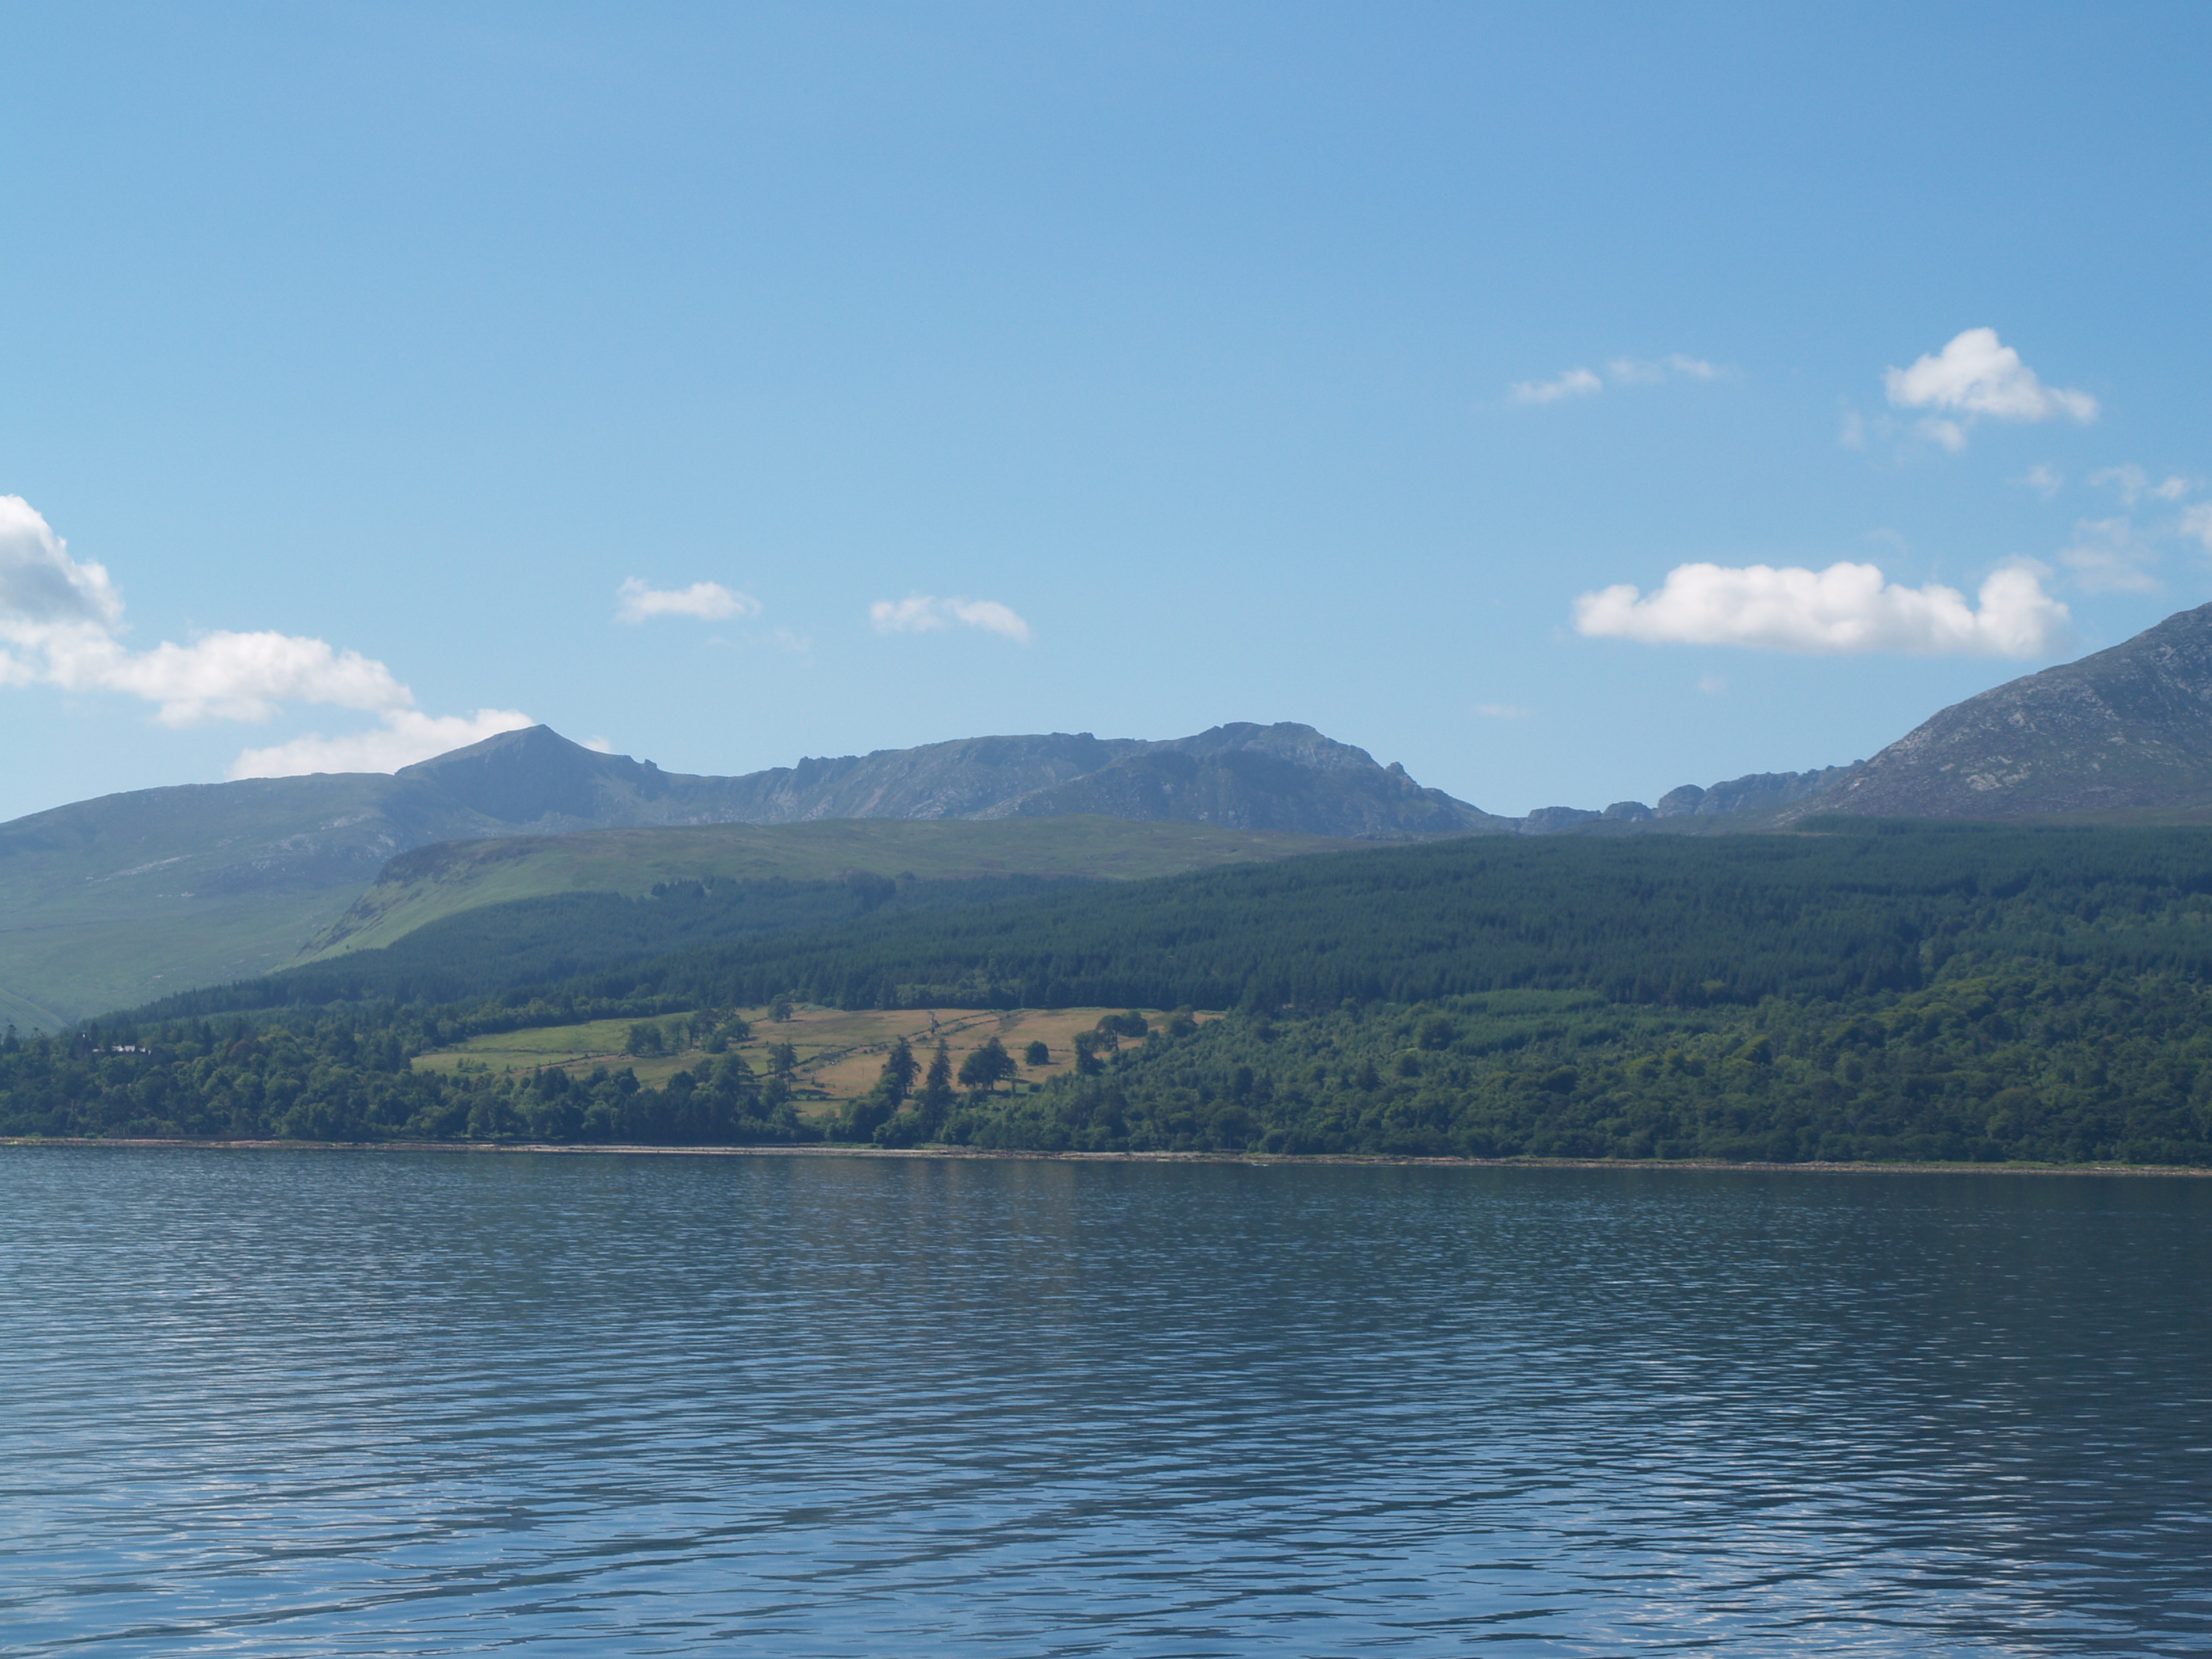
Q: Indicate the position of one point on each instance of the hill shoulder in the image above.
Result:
(431, 884)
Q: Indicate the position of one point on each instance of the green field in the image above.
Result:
(434, 883)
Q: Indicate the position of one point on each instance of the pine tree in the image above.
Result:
(937, 1089)
(899, 1067)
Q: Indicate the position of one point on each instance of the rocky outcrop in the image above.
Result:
(2126, 730)
(1755, 792)
(1252, 777)
(1550, 820)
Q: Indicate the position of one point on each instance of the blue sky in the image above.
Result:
(730, 384)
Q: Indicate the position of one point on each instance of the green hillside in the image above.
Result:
(560, 936)
(113, 901)
(119, 902)
(1659, 920)
(433, 884)
(1872, 991)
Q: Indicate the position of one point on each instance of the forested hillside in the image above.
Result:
(559, 937)
(1991, 1062)
(1878, 991)
(1666, 921)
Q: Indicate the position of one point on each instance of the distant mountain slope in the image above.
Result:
(537, 777)
(111, 901)
(1286, 777)
(106, 900)
(2126, 732)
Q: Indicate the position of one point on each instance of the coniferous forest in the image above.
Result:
(1862, 991)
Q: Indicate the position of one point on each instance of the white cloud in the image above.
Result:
(1501, 711)
(2197, 521)
(1977, 375)
(2044, 479)
(1845, 609)
(61, 622)
(405, 737)
(600, 745)
(2105, 557)
(1575, 383)
(709, 600)
(61, 619)
(924, 613)
(40, 585)
(2131, 484)
(230, 676)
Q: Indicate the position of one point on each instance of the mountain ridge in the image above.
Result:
(99, 900)
(2124, 731)
(106, 900)
(1285, 777)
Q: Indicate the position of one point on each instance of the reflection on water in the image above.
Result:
(335, 1403)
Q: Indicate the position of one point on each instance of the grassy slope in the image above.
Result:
(435, 883)
(66, 962)
(111, 902)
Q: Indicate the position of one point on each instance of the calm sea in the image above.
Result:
(357, 1403)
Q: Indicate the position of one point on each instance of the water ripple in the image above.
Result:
(285, 1403)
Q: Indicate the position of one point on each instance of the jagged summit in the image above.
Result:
(522, 777)
(1285, 777)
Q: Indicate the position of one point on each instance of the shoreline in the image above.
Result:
(1375, 1160)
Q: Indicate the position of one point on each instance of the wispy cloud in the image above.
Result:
(1845, 609)
(925, 613)
(1580, 382)
(1976, 375)
(61, 625)
(2132, 485)
(2197, 521)
(1711, 684)
(708, 600)
(1575, 383)
(2044, 479)
(2107, 556)
(1649, 371)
